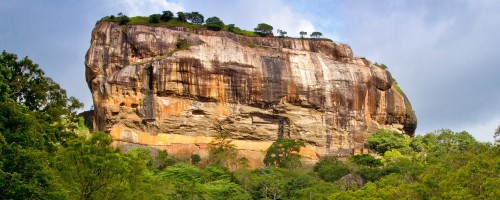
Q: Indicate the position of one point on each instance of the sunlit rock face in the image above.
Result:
(174, 88)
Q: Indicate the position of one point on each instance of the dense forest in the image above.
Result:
(47, 153)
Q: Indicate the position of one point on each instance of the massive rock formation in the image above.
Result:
(175, 88)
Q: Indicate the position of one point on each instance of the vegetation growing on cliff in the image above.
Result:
(41, 157)
(195, 20)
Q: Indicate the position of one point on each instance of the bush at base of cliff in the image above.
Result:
(384, 140)
(330, 169)
(284, 153)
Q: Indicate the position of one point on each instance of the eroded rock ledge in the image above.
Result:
(173, 88)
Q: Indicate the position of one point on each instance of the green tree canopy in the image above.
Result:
(195, 18)
(36, 118)
(167, 15)
(154, 18)
(284, 153)
(302, 34)
(123, 19)
(264, 29)
(384, 140)
(282, 33)
(214, 23)
(330, 169)
(223, 152)
(182, 17)
(316, 34)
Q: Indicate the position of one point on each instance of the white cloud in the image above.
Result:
(483, 130)
(148, 7)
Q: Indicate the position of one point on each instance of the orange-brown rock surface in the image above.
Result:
(174, 88)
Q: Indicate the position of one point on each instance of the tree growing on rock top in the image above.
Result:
(195, 18)
(154, 18)
(282, 33)
(181, 16)
(264, 29)
(214, 23)
(302, 34)
(316, 34)
(167, 15)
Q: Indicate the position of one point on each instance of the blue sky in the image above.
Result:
(444, 54)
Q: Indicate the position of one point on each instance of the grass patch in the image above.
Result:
(408, 107)
(145, 20)
(396, 87)
(251, 45)
(381, 66)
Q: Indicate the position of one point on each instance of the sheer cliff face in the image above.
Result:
(171, 88)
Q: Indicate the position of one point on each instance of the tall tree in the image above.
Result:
(282, 33)
(35, 120)
(167, 15)
(302, 34)
(195, 17)
(223, 152)
(316, 34)
(154, 18)
(284, 153)
(181, 16)
(384, 140)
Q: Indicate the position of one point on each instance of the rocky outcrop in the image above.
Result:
(174, 88)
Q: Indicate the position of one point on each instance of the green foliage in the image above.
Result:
(155, 18)
(182, 45)
(381, 66)
(223, 152)
(316, 34)
(330, 169)
(36, 118)
(264, 29)
(195, 17)
(195, 159)
(161, 161)
(284, 153)
(234, 29)
(365, 160)
(182, 17)
(224, 189)
(384, 140)
(496, 137)
(41, 157)
(122, 19)
(167, 16)
(302, 34)
(214, 23)
(396, 87)
(282, 33)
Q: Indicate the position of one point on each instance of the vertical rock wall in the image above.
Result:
(149, 90)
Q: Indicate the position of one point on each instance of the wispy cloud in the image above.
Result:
(148, 7)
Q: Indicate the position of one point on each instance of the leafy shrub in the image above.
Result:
(284, 153)
(330, 169)
(384, 140)
(366, 160)
(214, 23)
(155, 18)
(264, 29)
(167, 16)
